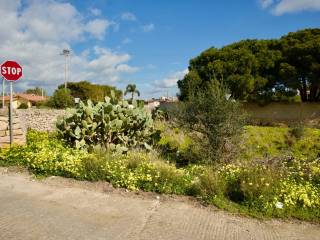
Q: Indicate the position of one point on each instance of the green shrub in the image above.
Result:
(216, 120)
(159, 114)
(211, 184)
(175, 143)
(297, 131)
(23, 105)
(61, 99)
(43, 104)
(114, 125)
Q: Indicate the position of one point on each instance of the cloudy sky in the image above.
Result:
(145, 42)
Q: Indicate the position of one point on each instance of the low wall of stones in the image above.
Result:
(17, 130)
(39, 119)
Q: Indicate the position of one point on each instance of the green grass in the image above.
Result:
(265, 142)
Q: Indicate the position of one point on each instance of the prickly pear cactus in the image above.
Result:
(113, 124)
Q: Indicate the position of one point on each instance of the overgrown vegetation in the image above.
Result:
(215, 120)
(285, 186)
(45, 154)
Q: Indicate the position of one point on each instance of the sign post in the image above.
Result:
(10, 114)
(11, 71)
(2, 92)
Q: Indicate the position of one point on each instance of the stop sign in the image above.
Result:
(11, 70)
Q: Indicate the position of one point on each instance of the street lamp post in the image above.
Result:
(66, 54)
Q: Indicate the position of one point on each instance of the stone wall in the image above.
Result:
(287, 113)
(39, 119)
(17, 132)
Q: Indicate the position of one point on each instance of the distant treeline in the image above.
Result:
(86, 90)
(260, 70)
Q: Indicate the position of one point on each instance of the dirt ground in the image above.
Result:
(59, 208)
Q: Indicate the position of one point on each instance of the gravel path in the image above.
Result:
(58, 208)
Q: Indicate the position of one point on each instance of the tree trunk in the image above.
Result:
(313, 92)
(303, 90)
(302, 94)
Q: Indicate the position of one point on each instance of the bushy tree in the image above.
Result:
(300, 66)
(245, 68)
(61, 98)
(215, 120)
(261, 69)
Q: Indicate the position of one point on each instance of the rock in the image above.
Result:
(2, 133)
(3, 125)
(4, 118)
(16, 126)
(15, 132)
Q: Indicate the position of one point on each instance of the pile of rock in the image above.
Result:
(18, 133)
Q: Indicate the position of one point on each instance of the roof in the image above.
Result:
(28, 97)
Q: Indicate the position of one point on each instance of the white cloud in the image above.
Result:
(171, 80)
(289, 6)
(51, 21)
(265, 3)
(151, 66)
(148, 28)
(97, 28)
(95, 11)
(280, 7)
(126, 41)
(35, 34)
(128, 16)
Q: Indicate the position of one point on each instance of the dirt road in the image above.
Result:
(58, 208)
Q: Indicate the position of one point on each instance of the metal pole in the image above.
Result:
(3, 92)
(10, 114)
(65, 71)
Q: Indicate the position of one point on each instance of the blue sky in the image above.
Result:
(145, 42)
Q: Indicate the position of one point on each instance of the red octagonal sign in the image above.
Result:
(11, 70)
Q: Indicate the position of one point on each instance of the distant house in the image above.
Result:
(19, 98)
(151, 104)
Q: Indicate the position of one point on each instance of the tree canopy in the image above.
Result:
(86, 90)
(253, 70)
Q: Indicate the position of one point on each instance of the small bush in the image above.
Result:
(218, 122)
(43, 104)
(159, 114)
(297, 131)
(61, 99)
(211, 184)
(23, 105)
